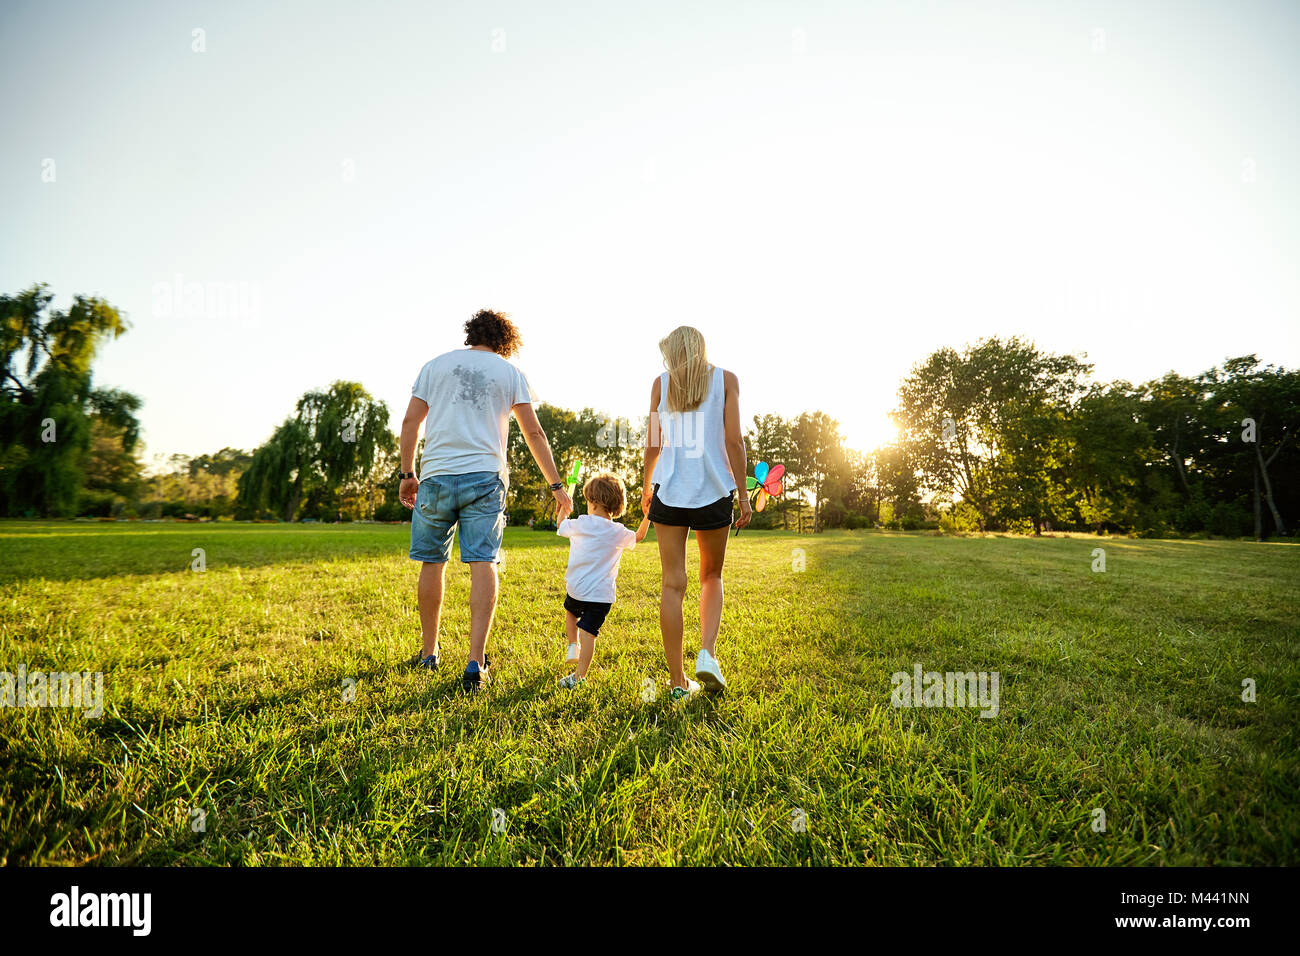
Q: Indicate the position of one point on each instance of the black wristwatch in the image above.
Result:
(405, 474)
(556, 486)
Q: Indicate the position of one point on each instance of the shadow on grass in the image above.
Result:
(73, 551)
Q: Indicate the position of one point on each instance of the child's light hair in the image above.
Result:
(606, 490)
(688, 368)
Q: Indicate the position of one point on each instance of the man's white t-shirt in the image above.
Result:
(470, 393)
(596, 546)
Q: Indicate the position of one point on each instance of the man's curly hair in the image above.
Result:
(495, 330)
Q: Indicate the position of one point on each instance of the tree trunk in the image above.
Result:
(295, 498)
(1262, 469)
(1178, 462)
(1259, 524)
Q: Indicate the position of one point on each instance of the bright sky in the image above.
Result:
(828, 191)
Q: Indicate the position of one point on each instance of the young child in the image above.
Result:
(596, 545)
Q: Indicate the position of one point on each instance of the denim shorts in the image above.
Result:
(475, 501)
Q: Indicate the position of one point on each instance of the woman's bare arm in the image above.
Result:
(736, 446)
(652, 446)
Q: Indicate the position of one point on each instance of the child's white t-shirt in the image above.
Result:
(595, 547)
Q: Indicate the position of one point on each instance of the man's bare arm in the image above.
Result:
(535, 438)
(416, 412)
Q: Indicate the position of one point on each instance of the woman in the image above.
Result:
(694, 462)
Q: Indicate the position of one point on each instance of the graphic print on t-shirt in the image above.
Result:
(473, 385)
(469, 394)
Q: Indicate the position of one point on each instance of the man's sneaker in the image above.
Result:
(475, 677)
(710, 675)
(426, 660)
(572, 681)
(684, 693)
(571, 654)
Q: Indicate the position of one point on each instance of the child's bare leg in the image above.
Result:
(571, 627)
(588, 652)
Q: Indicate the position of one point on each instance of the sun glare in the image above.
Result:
(869, 432)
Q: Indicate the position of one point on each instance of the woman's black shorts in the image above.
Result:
(705, 518)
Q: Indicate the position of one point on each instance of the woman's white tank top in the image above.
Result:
(693, 470)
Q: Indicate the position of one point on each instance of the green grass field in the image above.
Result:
(226, 691)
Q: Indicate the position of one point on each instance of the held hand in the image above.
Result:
(563, 504)
(746, 512)
(647, 495)
(406, 491)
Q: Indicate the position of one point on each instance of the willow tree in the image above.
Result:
(47, 398)
(328, 454)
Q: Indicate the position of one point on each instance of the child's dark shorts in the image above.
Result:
(590, 614)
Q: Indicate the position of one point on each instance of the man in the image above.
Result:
(467, 397)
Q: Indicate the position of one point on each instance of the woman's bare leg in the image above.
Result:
(672, 560)
(713, 551)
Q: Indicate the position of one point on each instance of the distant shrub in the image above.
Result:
(833, 514)
(392, 511)
(96, 504)
(518, 517)
(961, 518)
(1229, 520)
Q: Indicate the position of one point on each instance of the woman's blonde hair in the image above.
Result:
(688, 368)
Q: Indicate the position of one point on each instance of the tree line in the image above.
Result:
(999, 436)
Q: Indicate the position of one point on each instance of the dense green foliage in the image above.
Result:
(999, 436)
(1025, 443)
(59, 436)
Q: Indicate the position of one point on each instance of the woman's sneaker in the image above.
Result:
(710, 675)
(684, 693)
(426, 660)
(572, 681)
(571, 654)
